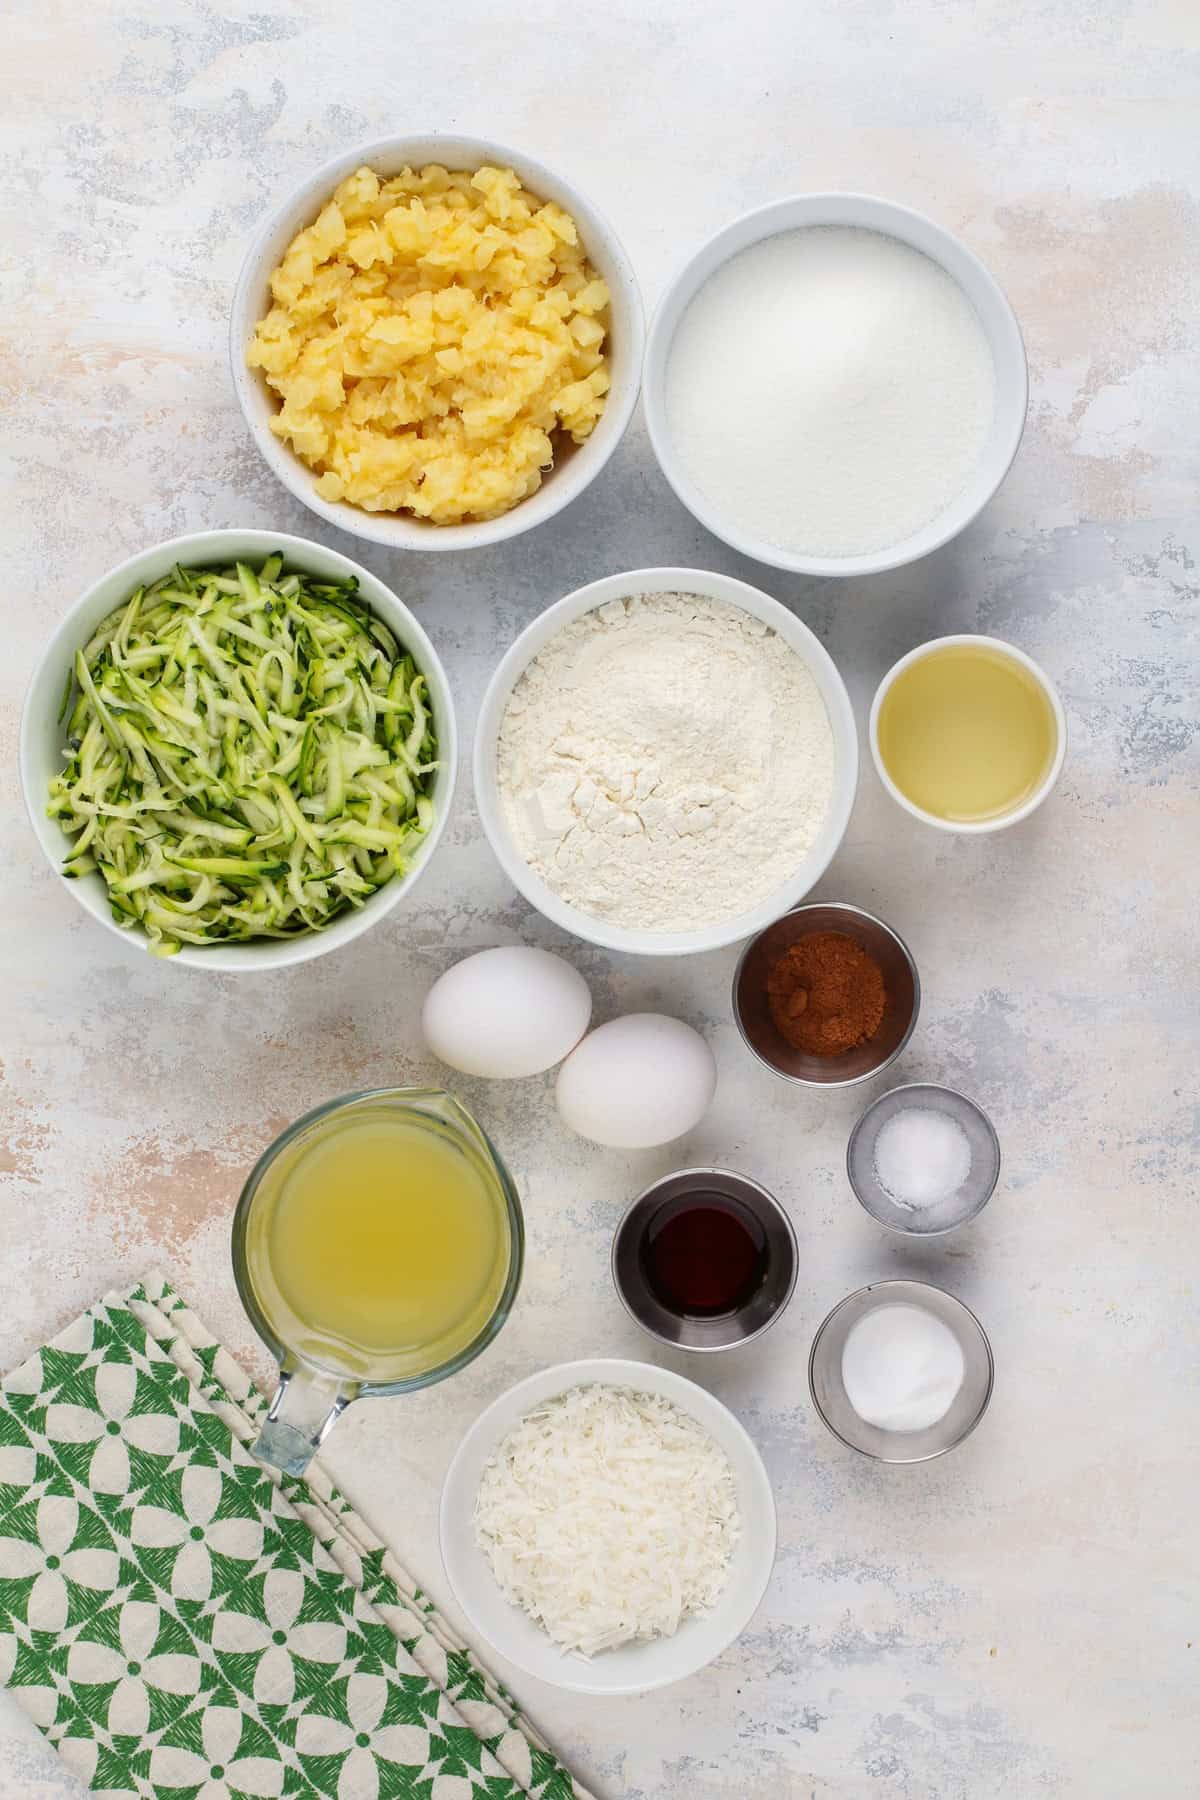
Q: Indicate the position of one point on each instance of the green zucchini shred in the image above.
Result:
(249, 754)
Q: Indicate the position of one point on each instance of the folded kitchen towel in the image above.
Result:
(184, 1624)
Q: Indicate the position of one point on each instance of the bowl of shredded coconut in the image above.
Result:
(608, 1526)
(665, 761)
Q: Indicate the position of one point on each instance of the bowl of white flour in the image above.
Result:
(665, 761)
(835, 384)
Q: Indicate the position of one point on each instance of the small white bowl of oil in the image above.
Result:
(968, 733)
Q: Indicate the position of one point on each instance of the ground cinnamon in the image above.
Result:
(826, 994)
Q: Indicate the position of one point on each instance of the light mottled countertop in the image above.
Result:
(1019, 1618)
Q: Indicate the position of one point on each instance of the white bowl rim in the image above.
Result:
(625, 584)
(257, 955)
(971, 827)
(397, 531)
(889, 218)
(616, 1371)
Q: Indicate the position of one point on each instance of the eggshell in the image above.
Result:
(507, 1012)
(636, 1082)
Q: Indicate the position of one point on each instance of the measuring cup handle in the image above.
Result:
(301, 1416)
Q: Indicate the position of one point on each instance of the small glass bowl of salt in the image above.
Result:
(923, 1159)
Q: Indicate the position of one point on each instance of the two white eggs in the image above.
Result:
(636, 1082)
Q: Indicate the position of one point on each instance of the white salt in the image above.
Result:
(901, 1368)
(922, 1156)
(829, 390)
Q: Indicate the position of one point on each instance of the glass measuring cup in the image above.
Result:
(321, 1370)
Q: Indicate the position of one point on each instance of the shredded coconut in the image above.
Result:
(830, 390)
(609, 1516)
(665, 762)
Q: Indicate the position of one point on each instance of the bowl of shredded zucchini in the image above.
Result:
(239, 750)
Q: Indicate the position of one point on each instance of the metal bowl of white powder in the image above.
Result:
(664, 761)
(915, 1358)
(835, 385)
(923, 1160)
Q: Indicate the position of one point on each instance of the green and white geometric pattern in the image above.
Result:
(184, 1624)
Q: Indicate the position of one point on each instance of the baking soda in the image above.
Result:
(902, 1368)
(829, 390)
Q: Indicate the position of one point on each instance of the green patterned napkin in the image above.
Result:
(184, 1624)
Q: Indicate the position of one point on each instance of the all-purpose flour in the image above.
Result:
(665, 762)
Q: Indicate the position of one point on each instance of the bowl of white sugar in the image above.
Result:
(835, 385)
(665, 761)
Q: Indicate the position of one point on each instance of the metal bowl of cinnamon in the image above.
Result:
(827, 996)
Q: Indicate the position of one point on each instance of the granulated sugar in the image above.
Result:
(830, 390)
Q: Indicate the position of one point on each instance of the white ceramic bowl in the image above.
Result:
(871, 214)
(820, 666)
(42, 737)
(972, 827)
(574, 465)
(635, 1668)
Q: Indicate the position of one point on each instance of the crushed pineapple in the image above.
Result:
(430, 334)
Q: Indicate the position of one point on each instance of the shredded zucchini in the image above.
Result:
(249, 753)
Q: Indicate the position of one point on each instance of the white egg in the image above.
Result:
(506, 1012)
(636, 1082)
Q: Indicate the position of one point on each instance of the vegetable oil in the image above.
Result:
(967, 733)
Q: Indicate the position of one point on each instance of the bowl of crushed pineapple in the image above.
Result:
(436, 342)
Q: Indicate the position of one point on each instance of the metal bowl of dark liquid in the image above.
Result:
(704, 1259)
